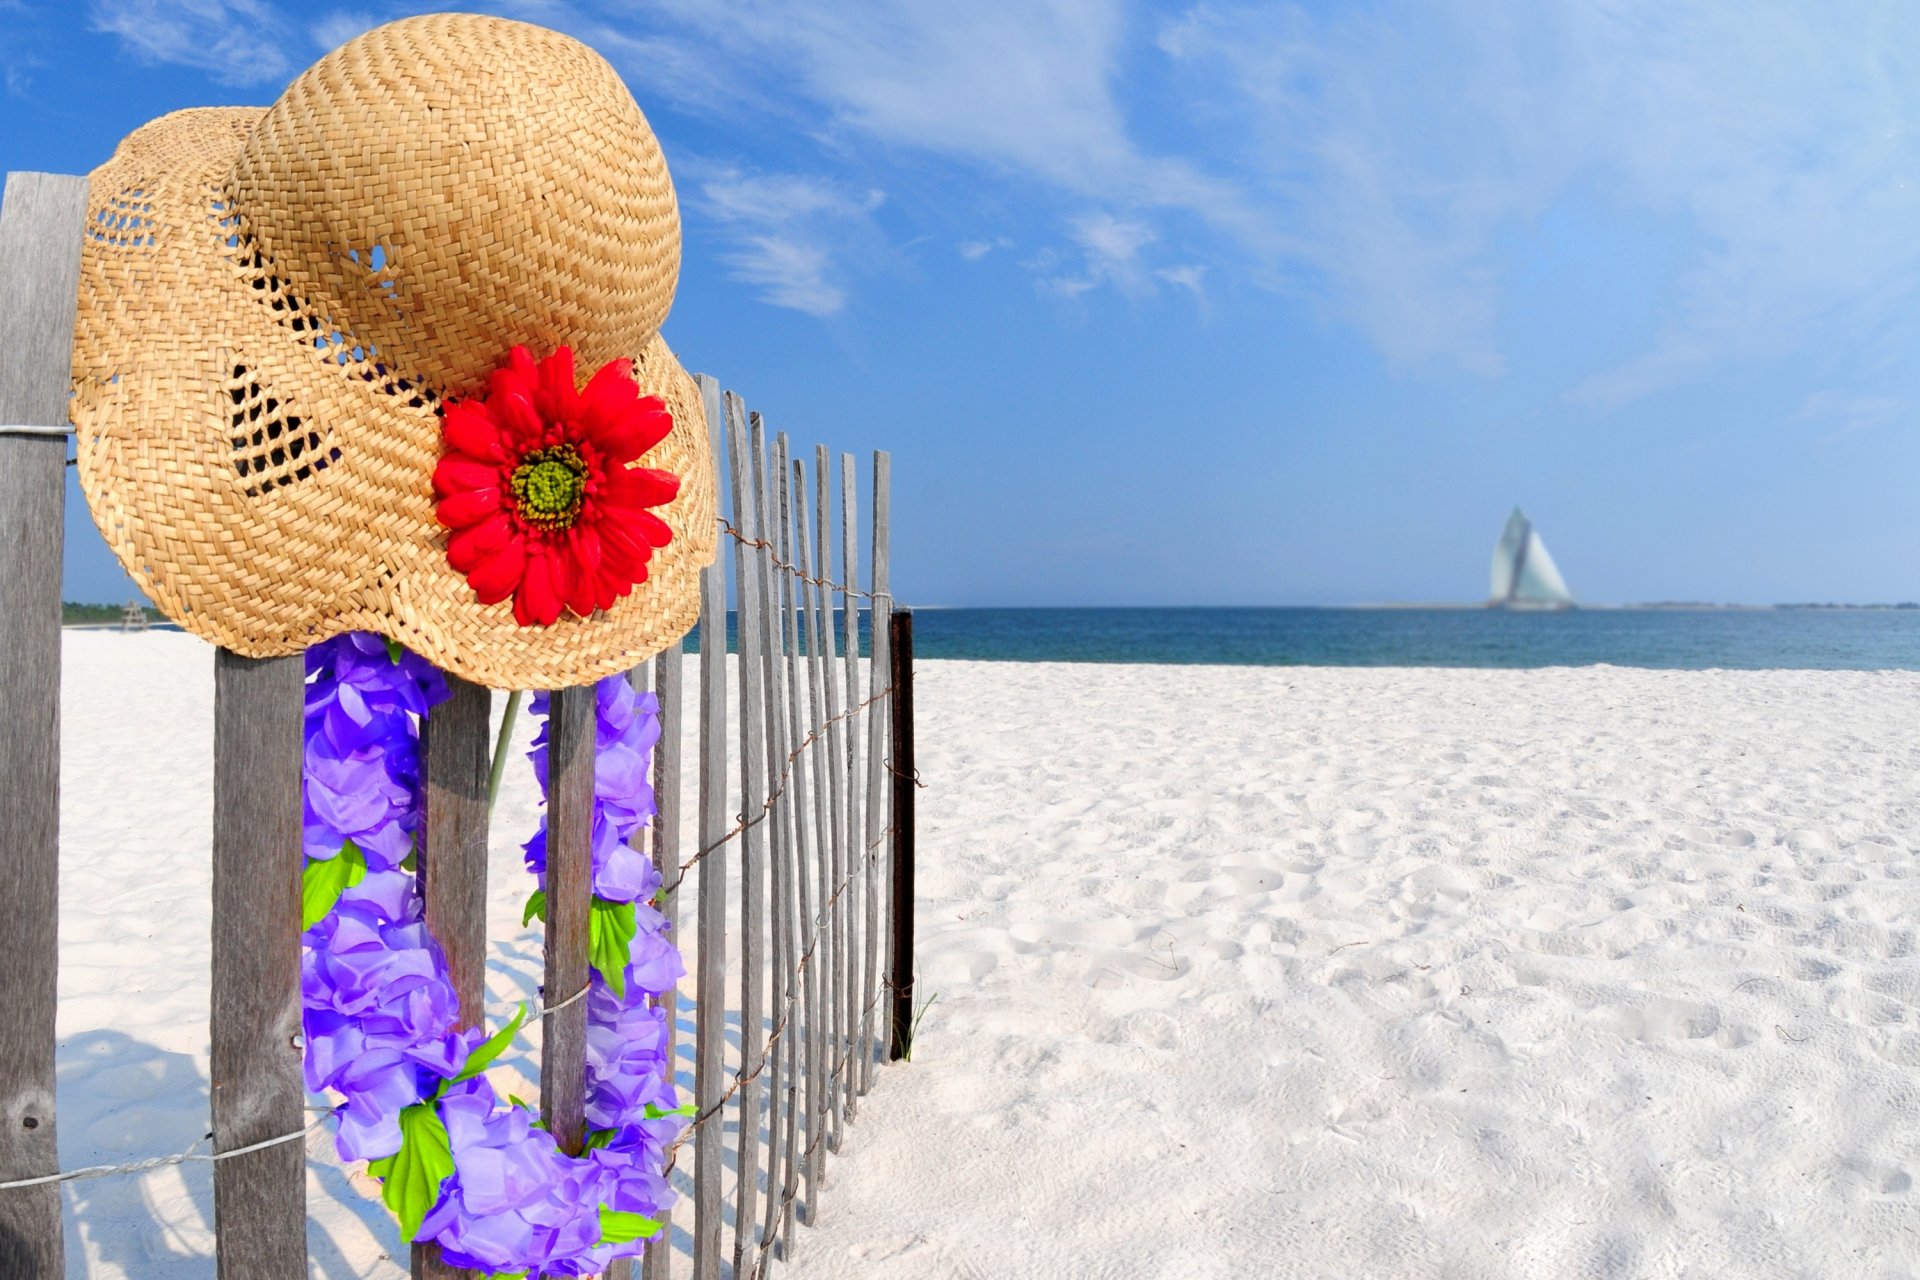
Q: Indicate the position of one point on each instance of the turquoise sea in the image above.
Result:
(1688, 639)
(1685, 639)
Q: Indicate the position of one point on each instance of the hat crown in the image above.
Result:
(444, 188)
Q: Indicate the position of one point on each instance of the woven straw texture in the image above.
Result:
(273, 306)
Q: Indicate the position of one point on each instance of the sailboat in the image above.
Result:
(1524, 575)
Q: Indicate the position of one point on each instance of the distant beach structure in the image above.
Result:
(1524, 575)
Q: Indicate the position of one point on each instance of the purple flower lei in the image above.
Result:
(482, 1179)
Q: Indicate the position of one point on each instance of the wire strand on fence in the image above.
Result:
(192, 1154)
(727, 528)
(787, 1009)
(786, 772)
(25, 429)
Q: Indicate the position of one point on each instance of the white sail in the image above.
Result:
(1523, 571)
(1506, 556)
(1540, 581)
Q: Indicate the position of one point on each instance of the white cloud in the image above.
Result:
(975, 250)
(336, 28)
(1394, 148)
(791, 236)
(234, 41)
(1023, 87)
(1846, 413)
(1188, 277)
(1109, 254)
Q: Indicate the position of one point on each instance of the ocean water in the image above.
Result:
(1684, 639)
(1688, 639)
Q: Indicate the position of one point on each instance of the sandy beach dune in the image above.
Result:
(1240, 972)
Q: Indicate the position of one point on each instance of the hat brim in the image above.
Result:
(267, 479)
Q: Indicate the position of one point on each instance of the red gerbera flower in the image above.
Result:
(539, 488)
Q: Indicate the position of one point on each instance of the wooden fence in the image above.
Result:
(794, 791)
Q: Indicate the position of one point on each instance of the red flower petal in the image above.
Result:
(495, 579)
(457, 473)
(468, 547)
(652, 528)
(621, 553)
(640, 487)
(559, 401)
(518, 417)
(581, 560)
(610, 393)
(469, 428)
(587, 558)
(537, 603)
(635, 432)
(462, 509)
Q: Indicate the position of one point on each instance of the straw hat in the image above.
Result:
(278, 309)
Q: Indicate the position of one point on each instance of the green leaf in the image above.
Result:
(684, 1109)
(496, 1044)
(536, 906)
(415, 1173)
(610, 930)
(619, 1228)
(598, 1138)
(394, 651)
(322, 883)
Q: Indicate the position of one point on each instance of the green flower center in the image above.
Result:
(549, 487)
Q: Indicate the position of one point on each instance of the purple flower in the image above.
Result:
(379, 1009)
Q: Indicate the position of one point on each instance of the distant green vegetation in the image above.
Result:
(73, 613)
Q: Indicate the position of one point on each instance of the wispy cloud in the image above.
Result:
(1398, 146)
(791, 236)
(1109, 253)
(334, 29)
(975, 250)
(1846, 413)
(234, 41)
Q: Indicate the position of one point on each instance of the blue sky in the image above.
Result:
(1245, 303)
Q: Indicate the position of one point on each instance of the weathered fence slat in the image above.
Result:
(259, 1199)
(780, 1087)
(857, 938)
(820, 1026)
(900, 646)
(835, 769)
(668, 666)
(571, 728)
(879, 678)
(640, 678)
(40, 230)
(807, 1101)
(710, 1009)
(453, 866)
(753, 792)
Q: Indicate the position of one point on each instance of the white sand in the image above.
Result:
(1275, 972)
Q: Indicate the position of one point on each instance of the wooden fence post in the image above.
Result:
(41, 223)
(879, 682)
(781, 1096)
(836, 771)
(571, 728)
(753, 842)
(819, 942)
(259, 1199)
(710, 1026)
(668, 665)
(858, 940)
(900, 961)
(453, 866)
